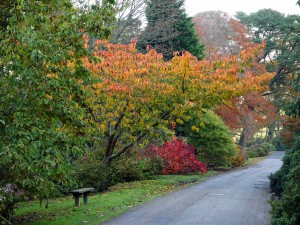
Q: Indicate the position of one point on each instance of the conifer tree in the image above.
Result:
(169, 29)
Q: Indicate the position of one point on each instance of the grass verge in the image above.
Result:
(102, 206)
(253, 161)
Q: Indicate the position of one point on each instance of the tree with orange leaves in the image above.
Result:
(248, 114)
(133, 95)
(221, 34)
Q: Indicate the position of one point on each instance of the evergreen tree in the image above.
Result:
(169, 29)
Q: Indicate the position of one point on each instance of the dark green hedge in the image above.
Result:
(286, 184)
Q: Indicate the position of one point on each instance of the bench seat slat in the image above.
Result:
(83, 190)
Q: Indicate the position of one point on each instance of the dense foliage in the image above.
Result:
(65, 94)
(285, 182)
(210, 136)
(140, 167)
(169, 29)
(281, 33)
(41, 99)
(178, 157)
(281, 53)
(260, 150)
(134, 97)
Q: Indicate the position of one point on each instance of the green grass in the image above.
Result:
(102, 206)
(253, 161)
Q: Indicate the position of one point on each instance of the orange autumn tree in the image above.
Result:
(221, 34)
(247, 115)
(249, 112)
(134, 95)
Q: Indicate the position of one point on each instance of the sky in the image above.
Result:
(231, 6)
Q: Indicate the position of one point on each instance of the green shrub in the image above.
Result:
(125, 169)
(260, 150)
(92, 173)
(276, 182)
(150, 167)
(286, 183)
(278, 144)
(132, 168)
(210, 136)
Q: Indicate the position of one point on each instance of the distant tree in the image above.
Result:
(282, 52)
(128, 24)
(281, 55)
(248, 115)
(221, 34)
(169, 29)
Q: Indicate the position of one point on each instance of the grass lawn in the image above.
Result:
(106, 205)
(102, 206)
(252, 161)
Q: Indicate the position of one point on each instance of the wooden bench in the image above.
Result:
(83, 191)
(211, 165)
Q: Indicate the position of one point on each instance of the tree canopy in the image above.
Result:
(221, 34)
(41, 96)
(282, 47)
(136, 94)
(169, 29)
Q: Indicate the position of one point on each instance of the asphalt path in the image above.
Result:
(235, 198)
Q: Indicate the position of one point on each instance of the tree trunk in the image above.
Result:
(242, 143)
(271, 132)
(107, 179)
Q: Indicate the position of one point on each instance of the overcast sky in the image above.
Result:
(231, 6)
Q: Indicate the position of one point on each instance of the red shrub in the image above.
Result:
(178, 157)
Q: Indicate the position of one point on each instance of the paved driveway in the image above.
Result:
(235, 198)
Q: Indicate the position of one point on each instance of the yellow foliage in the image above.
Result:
(194, 128)
(134, 91)
(238, 160)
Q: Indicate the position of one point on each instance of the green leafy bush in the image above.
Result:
(286, 183)
(278, 144)
(92, 173)
(210, 136)
(128, 169)
(150, 167)
(276, 182)
(260, 150)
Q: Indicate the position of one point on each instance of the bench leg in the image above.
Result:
(85, 198)
(77, 201)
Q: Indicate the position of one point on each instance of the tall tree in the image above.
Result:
(136, 94)
(169, 29)
(282, 53)
(285, 182)
(42, 92)
(221, 34)
(128, 24)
